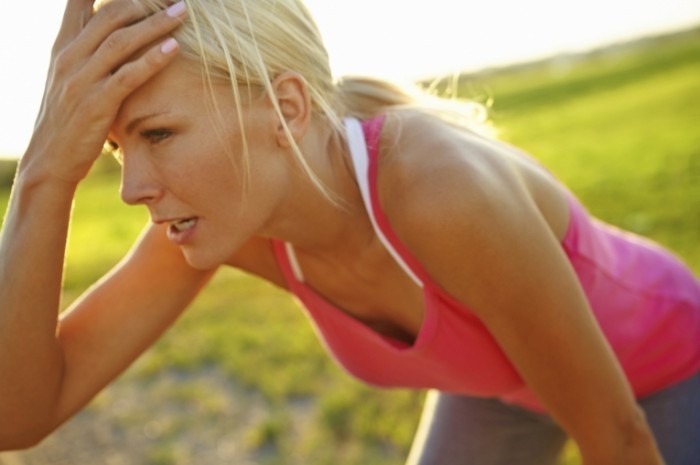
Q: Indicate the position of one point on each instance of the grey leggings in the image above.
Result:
(459, 430)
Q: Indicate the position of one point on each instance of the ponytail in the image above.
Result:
(365, 98)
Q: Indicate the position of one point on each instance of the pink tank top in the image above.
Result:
(646, 302)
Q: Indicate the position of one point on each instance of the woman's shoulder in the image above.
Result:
(424, 161)
(432, 170)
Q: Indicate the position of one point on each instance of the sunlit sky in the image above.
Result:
(395, 39)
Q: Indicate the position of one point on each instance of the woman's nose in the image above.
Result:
(139, 184)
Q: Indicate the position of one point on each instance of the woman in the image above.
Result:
(428, 255)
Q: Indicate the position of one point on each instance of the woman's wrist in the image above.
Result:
(35, 170)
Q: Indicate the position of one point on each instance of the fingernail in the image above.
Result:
(168, 46)
(176, 9)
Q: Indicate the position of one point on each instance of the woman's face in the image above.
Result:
(187, 168)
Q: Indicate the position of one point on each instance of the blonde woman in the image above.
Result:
(428, 255)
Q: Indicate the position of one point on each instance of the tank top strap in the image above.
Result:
(363, 141)
(287, 261)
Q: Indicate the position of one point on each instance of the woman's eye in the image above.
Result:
(156, 135)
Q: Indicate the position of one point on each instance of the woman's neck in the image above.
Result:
(309, 220)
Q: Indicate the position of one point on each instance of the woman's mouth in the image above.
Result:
(183, 225)
(180, 231)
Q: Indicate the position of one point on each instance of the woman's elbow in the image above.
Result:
(23, 435)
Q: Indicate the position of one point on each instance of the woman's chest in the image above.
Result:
(372, 289)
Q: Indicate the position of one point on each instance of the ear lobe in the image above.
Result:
(294, 102)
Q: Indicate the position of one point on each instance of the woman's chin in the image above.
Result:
(202, 261)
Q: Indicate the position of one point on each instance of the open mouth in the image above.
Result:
(183, 225)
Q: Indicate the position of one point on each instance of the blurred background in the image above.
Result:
(605, 94)
(394, 39)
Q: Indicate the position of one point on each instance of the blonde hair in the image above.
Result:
(250, 42)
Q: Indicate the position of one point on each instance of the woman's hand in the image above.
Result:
(97, 61)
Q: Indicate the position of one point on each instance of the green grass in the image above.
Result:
(621, 131)
(626, 141)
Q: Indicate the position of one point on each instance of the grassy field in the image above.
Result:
(620, 128)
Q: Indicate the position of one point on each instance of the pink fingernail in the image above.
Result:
(168, 46)
(176, 9)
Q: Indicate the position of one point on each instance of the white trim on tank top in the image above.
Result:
(360, 160)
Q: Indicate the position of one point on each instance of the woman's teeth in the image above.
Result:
(184, 224)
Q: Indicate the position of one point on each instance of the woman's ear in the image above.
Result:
(294, 102)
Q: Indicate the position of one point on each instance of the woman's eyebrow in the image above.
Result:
(136, 121)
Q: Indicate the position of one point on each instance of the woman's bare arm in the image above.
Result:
(121, 316)
(52, 370)
(31, 269)
(478, 231)
(91, 73)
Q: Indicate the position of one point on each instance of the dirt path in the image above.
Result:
(171, 419)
